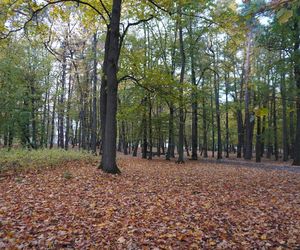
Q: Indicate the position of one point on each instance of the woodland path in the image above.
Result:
(152, 205)
(250, 164)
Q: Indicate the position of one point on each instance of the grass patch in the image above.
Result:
(20, 159)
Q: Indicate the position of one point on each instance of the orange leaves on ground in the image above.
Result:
(152, 205)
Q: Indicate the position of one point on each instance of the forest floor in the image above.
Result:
(152, 205)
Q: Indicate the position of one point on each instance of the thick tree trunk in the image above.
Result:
(108, 163)
(103, 90)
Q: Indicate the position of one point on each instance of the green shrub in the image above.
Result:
(17, 159)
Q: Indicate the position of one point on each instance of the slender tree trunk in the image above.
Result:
(227, 119)
(43, 125)
(94, 108)
(204, 125)
(247, 70)
(181, 112)
(258, 140)
(67, 134)
(275, 123)
(144, 128)
(53, 117)
(150, 129)
(33, 117)
(285, 143)
(48, 120)
(62, 97)
(218, 114)
(186, 145)
(297, 80)
(124, 140)
(292, 133)
(212, 124)
(194, 109)
(170, 149)
(269, 141)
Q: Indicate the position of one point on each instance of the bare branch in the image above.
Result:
(37, 11)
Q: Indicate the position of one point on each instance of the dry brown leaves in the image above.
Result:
(152, 205)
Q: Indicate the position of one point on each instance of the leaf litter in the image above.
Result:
(152, 205)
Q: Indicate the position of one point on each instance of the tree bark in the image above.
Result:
(181, 112)
(62, 97)
(284, 119)
(150, 129)
(170, 150)
(108, 163)
(94, 93)
(258, 140)
(297, 80)
(247, 70)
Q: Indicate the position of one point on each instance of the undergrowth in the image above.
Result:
(20, 159)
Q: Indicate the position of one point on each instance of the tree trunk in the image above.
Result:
(62, 97)
(284, 119)
(194, 109)
(212, 124)
(53, 117)
(258, 140)
(297, 80)
(150, 129)
(218, 114)
(227, 119)
(43, 141)
(108, 163)
(170, 150)
(247, 70)
(67, 135)
(103, 90)
(181, 112)
(275, 122)
(94, 108)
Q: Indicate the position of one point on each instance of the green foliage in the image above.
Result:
(20, 159)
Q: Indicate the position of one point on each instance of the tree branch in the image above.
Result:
(44, 7)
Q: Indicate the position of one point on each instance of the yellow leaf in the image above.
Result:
(263, 237)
